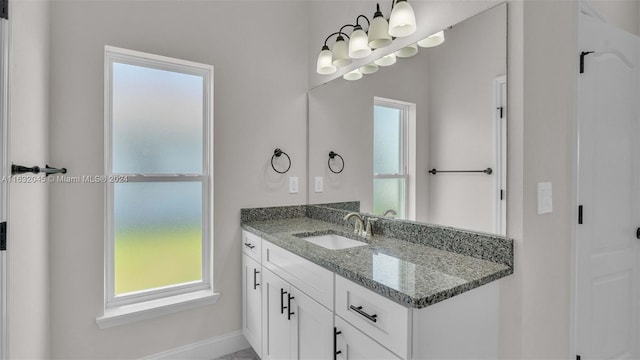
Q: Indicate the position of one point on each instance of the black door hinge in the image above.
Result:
(501, 109)
(3, 236)
(4, 9)
(577, 357)
(501, 194)
(582, 55)
(580, 214)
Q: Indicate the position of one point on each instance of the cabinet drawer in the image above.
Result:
(354, 345)
(385, 321)
(313, 280)
(252, 245)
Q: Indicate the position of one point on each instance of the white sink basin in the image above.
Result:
(333, 241)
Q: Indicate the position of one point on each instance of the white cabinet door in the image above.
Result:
(311, 328)
(276, 334)
(354, 345)
(252, 302)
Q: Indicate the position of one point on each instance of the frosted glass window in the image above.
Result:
(389, 194)
(159, 141)
(387, 138)
(157, 121)
(158, 235)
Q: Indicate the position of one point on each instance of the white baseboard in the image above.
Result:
(208, 349)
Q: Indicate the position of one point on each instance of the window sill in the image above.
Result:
(150, 309)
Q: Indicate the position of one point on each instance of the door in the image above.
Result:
(607, 300)
(312, 328)
(275, 334)
(354, 345)
(252, 302)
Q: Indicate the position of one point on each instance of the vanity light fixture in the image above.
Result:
(402, 21)
(352, 75)
(359, 44)
(368, 69)
(386, 60)
(433, 40)
(379, 30)
(340, 52)
(407, 51)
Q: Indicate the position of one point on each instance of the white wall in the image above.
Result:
(28, 238)
(259, 52)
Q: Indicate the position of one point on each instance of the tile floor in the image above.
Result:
(246, 354)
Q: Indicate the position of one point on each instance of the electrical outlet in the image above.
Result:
(293, 185)
(318, 184)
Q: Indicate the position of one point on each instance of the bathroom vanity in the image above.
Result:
(411, 291)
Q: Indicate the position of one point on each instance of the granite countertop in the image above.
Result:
(414, 275)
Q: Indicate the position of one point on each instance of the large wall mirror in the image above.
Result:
(442, 109)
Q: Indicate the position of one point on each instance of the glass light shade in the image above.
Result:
(324, 66)
(433, 40)
(368, 69)
(379, 33)
(341, 53)
(352, 75)
(359, 44)
(386, 60)
(403, 20)
(407, 51)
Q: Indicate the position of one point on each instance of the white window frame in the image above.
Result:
(408, 165)
(122, 309)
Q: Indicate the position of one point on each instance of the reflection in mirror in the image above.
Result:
(443, 109)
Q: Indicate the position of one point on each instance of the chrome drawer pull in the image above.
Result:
(361, 312)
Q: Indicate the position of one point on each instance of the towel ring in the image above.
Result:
(276, 154)
(332, 156)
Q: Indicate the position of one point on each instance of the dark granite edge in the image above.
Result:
(272, 213)
(386, 291)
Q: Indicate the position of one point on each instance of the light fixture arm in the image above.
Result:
(335, 33)
(366, 18)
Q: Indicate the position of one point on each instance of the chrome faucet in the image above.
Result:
(390, 211)
(369, 230)
(358, 227)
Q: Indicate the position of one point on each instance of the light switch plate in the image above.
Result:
(293, 185)
(545, 198)
(318, 184)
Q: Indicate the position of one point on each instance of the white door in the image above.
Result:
(275, 334)
(607, 301)
(252, 302)
(312, 328)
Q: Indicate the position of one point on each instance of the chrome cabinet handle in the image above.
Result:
(361, 312)
(249, 246)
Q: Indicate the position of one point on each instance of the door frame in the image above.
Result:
(500, 102)
(4, 184)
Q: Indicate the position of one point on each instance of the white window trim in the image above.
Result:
(408, 152)
(138, 306)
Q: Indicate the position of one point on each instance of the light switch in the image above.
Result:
(318, 184)
(293, 185)
(545, 198)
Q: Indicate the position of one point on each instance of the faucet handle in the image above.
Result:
(369, 230)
